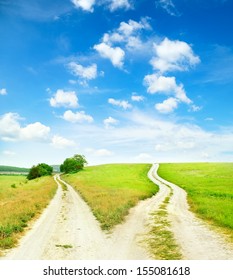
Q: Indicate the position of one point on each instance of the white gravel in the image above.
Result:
(67, 229)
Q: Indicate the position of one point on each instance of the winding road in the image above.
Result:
(68, 230)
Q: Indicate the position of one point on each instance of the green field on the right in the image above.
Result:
(209, 187)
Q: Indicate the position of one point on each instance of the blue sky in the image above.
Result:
(116, 81)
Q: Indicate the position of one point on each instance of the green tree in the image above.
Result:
(42, 169)
(74, 164)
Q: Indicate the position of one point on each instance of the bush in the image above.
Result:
(74, 164)
(42, 169)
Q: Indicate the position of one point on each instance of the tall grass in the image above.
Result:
(20, 201)
(209, 187)
(111, 190)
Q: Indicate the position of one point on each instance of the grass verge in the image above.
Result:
(209, 187)
(20, 201)
(160, 240)
(112, 189)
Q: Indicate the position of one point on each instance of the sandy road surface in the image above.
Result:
(68, 222)
(67, 229)
(196, 239)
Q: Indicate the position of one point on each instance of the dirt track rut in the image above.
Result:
(67, 229)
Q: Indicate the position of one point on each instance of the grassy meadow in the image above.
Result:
(20, 201)
(112, 189)
(209, 187)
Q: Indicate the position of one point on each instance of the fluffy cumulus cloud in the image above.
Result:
(115, 54)
(67, 99)
(113, 5)
(3, 91)
(11, 129)
(127, 33)
(119, 4)
(86, 73)
(166, 85)
(170, 56)
(173, 56)
(59, 142)
(34, 131)
(126, 36)
(110, 122)
(120, 103)
(167, 106)
(77, 117)
(131, 27)
(86, 5)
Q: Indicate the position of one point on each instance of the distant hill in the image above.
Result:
(4, 168)
(14, 169)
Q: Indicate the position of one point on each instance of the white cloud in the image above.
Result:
(99, 152)
(173, 56)
(11, 130)
(127, 35)
(9, 126)
(67, 99)
(113, 5)
(168, 105)
(127, 29)
(77, 117)
(119, 4)
(168, 6)
(109, 122)
(127, 32)
(120, 103)
(158, 83)
(136, 97)
(88, 73)
(61, 142)
(166, 85)
(34, 131)
(86, 5)
(116, 55)
(3, 91)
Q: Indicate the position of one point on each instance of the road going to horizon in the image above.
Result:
(67, 229)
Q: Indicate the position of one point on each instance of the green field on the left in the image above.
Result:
(20, 201)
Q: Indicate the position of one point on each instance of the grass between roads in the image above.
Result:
(160, 239)
(20, 201)
(209, 187)
(112, 189)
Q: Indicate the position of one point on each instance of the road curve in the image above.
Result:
(196, 239)
(67, 229)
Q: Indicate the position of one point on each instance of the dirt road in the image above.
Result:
(196, 239)
(67, 229)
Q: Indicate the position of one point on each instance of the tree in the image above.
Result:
(42, 169)
(74, 164)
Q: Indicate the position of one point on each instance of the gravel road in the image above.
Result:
(196, 239)
(68, 230)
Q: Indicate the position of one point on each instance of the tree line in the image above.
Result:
(70, 165)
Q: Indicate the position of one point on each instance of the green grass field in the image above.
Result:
(20, 201)
(209, 187)
(111, 190)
